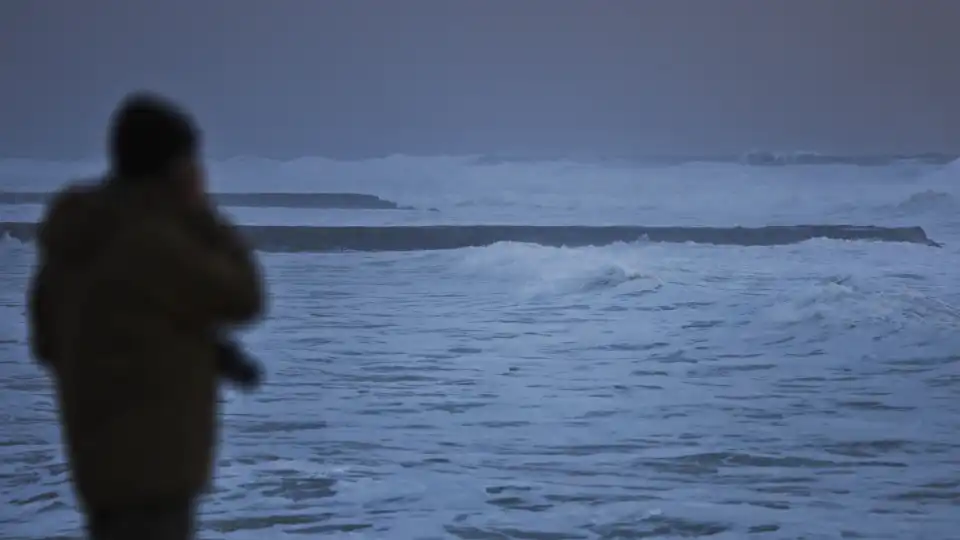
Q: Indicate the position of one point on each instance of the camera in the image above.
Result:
(236, 367)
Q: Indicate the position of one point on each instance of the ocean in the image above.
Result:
(527, 389)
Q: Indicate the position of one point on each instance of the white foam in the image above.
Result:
(467, 189)
(552, 271)
(388, 371)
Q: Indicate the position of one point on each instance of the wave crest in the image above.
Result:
(770, 158)
(848, 302)
(550, 271)
(927, 201)
(291, 239)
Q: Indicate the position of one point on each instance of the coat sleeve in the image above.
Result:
(211, 283)
(39, 319)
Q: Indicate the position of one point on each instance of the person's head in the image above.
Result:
(153, 140)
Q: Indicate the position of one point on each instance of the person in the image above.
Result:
(138, 280)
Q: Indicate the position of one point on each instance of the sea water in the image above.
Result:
(635, 390)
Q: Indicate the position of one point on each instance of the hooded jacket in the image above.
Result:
(130, 289)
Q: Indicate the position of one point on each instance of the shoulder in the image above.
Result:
(69, 198)
(71, 210)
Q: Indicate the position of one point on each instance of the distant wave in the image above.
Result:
(438, 237)
(767, 158)
(757, 158)
(352, 201)
(927, 201)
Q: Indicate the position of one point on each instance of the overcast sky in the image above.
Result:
(358, 78)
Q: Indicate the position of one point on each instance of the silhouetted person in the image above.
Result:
(137, 279)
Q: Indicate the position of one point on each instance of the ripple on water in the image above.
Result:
(405, 406)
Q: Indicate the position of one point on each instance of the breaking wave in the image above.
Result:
(768, 158)
(927, 201)
(548, 271)
(441, 237)
(936, 194)
(847, 302)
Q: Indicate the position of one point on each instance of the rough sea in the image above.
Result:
(520, 391)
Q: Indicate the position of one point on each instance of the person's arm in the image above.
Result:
(42, 293)
(217, 232)
(214, 283)
(40, 332)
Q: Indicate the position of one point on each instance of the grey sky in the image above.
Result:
(357, 78)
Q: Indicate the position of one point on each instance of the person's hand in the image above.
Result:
(237, 368)
(248, 376)
(191, 181)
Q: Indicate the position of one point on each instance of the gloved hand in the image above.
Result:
(236, 367)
